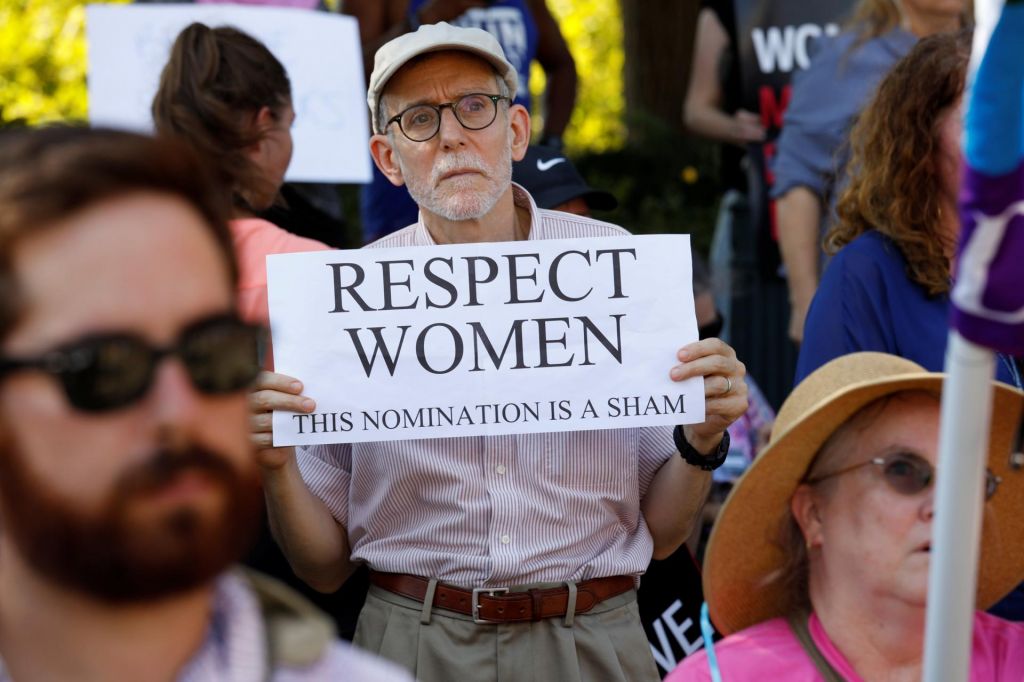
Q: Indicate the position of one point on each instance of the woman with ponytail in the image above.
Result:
(225, 95)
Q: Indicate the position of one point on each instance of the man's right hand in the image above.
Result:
(274, 392)
(314, 542)
(446, 10)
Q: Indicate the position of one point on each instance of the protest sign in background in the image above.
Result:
(129, 45)
(483, 339)
(776, 38)
(669, 601)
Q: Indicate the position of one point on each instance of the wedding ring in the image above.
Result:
(728, 386)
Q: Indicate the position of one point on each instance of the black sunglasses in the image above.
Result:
(109, 371)
(907, 474)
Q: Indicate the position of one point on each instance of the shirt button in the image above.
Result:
(500, 469)
(505, 539)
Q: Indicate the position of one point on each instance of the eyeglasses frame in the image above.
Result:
(439, 108)
(992, 480)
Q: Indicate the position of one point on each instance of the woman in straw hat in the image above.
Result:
(818, 565)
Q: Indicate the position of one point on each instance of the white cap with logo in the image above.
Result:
(394, 54)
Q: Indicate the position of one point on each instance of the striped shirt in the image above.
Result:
(496, 510)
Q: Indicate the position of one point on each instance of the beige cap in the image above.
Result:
(394, 54)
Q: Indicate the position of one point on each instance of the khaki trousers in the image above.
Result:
(606, 644)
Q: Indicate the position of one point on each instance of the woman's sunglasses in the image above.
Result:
(109, 371)
(907, 474)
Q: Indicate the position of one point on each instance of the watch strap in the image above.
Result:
(693, 458)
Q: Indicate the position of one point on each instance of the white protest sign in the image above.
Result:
(484, 339)
(129, 45)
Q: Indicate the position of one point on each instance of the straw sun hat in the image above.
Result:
(744, 547)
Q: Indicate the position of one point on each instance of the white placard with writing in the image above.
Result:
(484, 339)
(129, 45)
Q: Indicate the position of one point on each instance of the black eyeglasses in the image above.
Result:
(907, 474)
(109, 371)
(421, 122)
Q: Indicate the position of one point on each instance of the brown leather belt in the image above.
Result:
(498, 605)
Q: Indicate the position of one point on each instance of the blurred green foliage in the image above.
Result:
(666, 182)
(593, 30)
(42, 61)
(665, 185)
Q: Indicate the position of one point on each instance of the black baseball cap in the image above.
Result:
(551, 179)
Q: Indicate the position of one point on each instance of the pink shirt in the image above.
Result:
(255, 239)
(770, 651)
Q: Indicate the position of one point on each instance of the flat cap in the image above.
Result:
(396, 53)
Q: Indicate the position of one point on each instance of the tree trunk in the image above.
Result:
(658, 42)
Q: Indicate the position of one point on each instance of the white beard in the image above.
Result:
(456, 199)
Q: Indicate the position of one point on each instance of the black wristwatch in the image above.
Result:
(694, 458)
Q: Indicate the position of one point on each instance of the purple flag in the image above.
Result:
(988, 296)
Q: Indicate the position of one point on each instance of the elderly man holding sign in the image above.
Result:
(496, 556)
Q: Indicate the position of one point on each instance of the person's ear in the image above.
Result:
(519, 126)
(265, 120)
(261, 123)
(386, 160)
(805, 505)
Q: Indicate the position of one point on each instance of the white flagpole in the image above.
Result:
(959, 499)
(959, 495)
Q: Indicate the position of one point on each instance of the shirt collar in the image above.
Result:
(234, 647)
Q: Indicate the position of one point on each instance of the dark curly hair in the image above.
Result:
(895, 168)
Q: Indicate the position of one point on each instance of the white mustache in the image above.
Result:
(458, 161)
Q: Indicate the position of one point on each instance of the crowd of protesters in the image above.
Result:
(137, 386)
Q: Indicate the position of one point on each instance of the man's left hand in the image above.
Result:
(725, 391)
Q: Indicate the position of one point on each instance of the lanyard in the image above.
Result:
(709, 646)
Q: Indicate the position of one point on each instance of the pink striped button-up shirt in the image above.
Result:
(496, 510)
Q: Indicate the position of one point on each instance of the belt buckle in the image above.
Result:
(475, 603)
